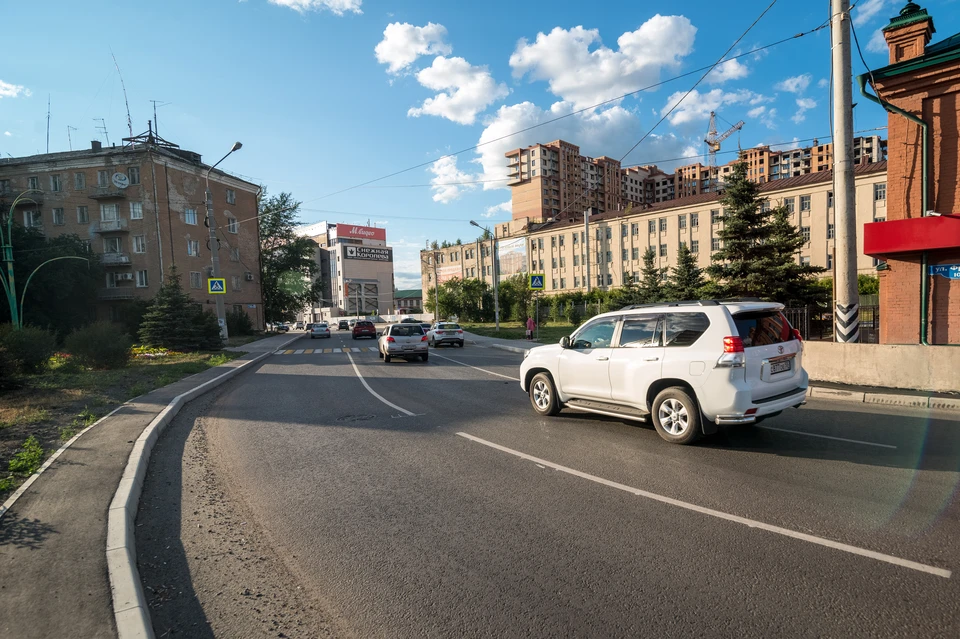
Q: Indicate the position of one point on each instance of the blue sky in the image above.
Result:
(328, 94)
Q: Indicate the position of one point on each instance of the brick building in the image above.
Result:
(920, 241)
(141, 208)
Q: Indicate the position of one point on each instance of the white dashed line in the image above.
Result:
(839, 439)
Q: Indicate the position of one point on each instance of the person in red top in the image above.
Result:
(530, 326)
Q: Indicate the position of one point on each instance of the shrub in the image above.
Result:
(30, 348)
(573, 314)
(207, 330)
(100, 345)
(7, 365)
(28, 459)
(238, 323)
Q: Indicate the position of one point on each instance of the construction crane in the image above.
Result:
(713, 141)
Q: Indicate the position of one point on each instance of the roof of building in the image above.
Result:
(406, 294)
(947, 50)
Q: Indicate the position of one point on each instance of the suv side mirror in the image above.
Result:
(565, 342)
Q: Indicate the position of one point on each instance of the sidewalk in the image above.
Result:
(819, 390)
(53, 568)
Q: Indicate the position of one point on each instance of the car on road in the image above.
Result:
(299, 326)
(343, 325)
(308, 327)
(320, 329)
(425, 326)
(281, 328)
(690, 366)
(364, 328)
(409, 320)
(445, 333)
(403, 340)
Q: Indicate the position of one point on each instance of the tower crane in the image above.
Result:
(713, 141)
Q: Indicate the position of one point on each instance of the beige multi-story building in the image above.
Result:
(141, 207)
(618, 239)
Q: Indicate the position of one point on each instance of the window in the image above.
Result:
(134, 174)
(663, 224)
(831, 231)
(609, 279)
(553, 263)
(714, 216)
(86, 246)
(193, 247)
(139, 243)
(563, 282)
(111, 245)
(576, 282)
(533, 245)
(576, 238)
(625, 255)
(652, 226)
(804, 202)
(103, 179)
(805, 260)
(623, 230)
(879, 191)
(609, 256)
(79, 181)
(829, 199)
(136, 210)
(561, 240)
(765, 206)
(141, 279)
(234, 282)
(640, 331)
(715, 244)
(112, 280)
(694, 220)
(694, 246)
(879, 219)
(829, 260)
(33, 183)
(4, 186)
(32, 219)
(634, 229)
(553, 283)
(790, 203)
(553, 241)
(635, 253)
(805, 232)
(56, 184)
(576, 260)
(109, 212)
(663, 250)
(83, 217)
(190, 216)
(683, 329)
(609, 233)
(231, 198)
(540, 243)
(58, 217)
(541, 265)
(682, 221)
(563, 262)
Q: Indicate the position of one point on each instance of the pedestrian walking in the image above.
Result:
(530, 326)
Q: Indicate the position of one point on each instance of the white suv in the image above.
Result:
(691, 365)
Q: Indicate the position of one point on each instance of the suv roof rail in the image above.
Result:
(740, 299)
(677, 303)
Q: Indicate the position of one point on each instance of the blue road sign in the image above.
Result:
(217, 285)
(949, 271)
(536, 282)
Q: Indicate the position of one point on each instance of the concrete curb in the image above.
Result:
(512, 349)
(129, 604)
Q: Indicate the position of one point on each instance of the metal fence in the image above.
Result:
(816, 323)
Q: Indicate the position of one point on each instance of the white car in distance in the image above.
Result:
(689, 365)
(445, 333)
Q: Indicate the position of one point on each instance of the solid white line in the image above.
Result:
(863, 552)
(839, 439)
(373, 392)
(516, 379)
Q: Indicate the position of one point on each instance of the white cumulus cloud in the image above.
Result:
(337, 7)
(7, 133)
(8, 90)
(729, 70)
(765, 115)
(803, 105)
(697, 106)
(465, 90)
(581, 70)
(878, 44)
(863, 12)
(796, 84)
(403, 43)
(448, 180)
(823, 83)
(503, 207)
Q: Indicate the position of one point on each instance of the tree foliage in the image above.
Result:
(176, 322)
(686, 280)
(290, 270)
(651, 279)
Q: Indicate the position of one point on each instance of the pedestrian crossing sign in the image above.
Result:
(217, 285)
(536, 282)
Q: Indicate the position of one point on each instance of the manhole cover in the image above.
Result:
(356, 418)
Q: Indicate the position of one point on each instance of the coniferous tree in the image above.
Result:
(168, 323)
(686, 281)
(790, 281)
(651, 279)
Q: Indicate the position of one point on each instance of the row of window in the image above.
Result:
(103, 181)
(142, 280)
(111, 213)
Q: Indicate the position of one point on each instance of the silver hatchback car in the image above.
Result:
(403, 340)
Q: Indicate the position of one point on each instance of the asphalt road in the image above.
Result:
(429, 500)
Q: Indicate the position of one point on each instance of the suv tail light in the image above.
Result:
(733, 354)
(391, 340)
(460, 332)
(796, 335)
(423, 339)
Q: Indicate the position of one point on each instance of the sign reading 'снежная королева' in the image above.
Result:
(368, 253)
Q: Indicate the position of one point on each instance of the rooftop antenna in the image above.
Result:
(48, 123)
(69, 140)
(156, 122)
(125, 101)
(103, 128)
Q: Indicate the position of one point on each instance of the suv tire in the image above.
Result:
(543, 395)
(676, 416)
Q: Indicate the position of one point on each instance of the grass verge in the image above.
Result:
(549, 334)
(53, 406)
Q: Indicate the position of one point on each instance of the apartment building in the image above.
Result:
(618, 239)
(764, 164)
(141, 207)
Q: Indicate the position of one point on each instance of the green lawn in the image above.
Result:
(549, 334)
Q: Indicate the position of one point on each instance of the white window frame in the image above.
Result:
(112, 245)
(103, 179)
(139, 243)
(33, 219)
(233, 226)
(131, 172)
(83, 215)
(198, 278)
(231, 196)
(142, 282)
(136, 210)
(79, 181)
(193, 248)
(189, 214)
(56, 183)
(105, 210)
(62, 219)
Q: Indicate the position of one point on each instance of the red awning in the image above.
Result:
(913, 235)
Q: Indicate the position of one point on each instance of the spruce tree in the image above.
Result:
(686, 281)
(651, 278)
(790, 281)
(170, 320)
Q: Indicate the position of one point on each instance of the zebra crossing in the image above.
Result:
(327, 351)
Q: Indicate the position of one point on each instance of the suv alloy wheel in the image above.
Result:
(676, 416)
(543, 395)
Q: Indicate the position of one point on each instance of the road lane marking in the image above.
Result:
(308, 351)
(516, 379)
(336, 350)
(839, 439)
(373, 392)
(751, 523)
(287, 352)
(298, 352)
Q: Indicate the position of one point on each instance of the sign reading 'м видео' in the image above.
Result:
(368, 253)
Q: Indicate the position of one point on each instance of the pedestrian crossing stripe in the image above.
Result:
(327, 351)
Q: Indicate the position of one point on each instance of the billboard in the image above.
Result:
(447, 273)
(361, 232)
(375, 253)
(512, 256)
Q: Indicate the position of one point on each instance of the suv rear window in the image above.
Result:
(760, 328)
(683, 329)
(406, 331)
(364, 324)
(448, 326)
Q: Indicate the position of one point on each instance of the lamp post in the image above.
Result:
(215, 243)
(496, 273)
(6, 246)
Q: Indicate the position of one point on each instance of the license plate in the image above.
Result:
(408, 348)
(780, 367)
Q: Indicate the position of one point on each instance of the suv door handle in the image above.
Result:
(650, 359)
(602, 359)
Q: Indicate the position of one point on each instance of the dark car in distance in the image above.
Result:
(364, 328)
(343, 325)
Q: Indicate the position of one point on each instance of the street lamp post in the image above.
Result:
(496, 273)
(6, 245)
(215, 243)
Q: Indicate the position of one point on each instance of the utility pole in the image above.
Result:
(48, 123)
(586, 245)
(436, 290)
(215, 243)
(847, 302)
(69, 139)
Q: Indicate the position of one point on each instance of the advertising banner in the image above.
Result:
(361, 232)
(512, 256)
(374, 253)
(447, 273)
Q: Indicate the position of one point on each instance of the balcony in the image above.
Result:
(115, 259)
(110, 294)
(107, 193)
(109, 226)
